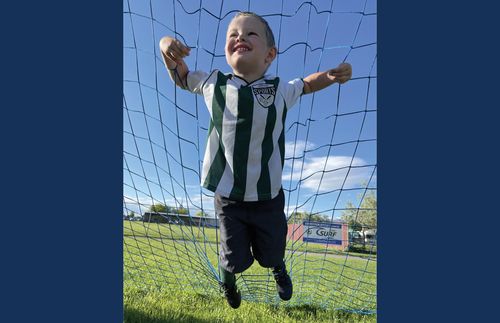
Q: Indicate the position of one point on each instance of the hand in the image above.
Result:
(341, 74)
(173, 49)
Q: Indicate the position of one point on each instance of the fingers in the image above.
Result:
(182, 48)
(341, 74)
(174, 49)
(178, 50)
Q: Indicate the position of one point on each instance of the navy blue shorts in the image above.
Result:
(251, 230)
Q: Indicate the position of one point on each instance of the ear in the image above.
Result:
(271, 55)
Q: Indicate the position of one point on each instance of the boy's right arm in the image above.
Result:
(173, 52)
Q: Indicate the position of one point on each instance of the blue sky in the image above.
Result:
(330, 137)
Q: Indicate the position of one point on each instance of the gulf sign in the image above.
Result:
(323, 232)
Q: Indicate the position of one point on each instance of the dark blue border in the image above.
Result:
(438, 161)
(61, 161)
(61, 228)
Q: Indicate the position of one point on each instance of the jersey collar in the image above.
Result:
(245, 82)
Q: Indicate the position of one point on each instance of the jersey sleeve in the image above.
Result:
(196, 80)
(292, 91)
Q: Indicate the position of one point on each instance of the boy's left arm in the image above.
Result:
(320, 80)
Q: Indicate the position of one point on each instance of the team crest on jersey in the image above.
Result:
(265, 94)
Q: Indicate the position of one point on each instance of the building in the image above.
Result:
(180, 219)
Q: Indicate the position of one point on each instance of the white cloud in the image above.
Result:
(329, 172)
(299, 146)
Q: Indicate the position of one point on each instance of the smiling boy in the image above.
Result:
(245, 151)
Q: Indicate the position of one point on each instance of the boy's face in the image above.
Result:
(246, 45)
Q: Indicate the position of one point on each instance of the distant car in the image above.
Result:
(356, 237)
(371, 237)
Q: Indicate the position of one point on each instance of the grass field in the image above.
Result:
(170, 275)
(166, 231)
(160, 307)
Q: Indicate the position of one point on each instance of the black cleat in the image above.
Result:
(283, 284)
(232, 294)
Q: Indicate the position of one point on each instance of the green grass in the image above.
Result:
(166, 231)
(158, 307)
(169, 280)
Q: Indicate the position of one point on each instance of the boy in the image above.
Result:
(244, 157)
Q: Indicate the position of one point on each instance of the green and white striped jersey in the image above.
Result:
(245, 149)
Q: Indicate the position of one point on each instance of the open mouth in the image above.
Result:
(241, 48)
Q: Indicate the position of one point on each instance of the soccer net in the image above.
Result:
(329, 178)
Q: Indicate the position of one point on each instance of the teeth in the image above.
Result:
(242, 49)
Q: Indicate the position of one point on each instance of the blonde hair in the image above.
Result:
(269, 32)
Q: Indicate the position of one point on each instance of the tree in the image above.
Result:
(364, 217)
(129, 216)
(156, 208)
(299, 217)
(202, 214)
(181, 210)
(366, 214)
